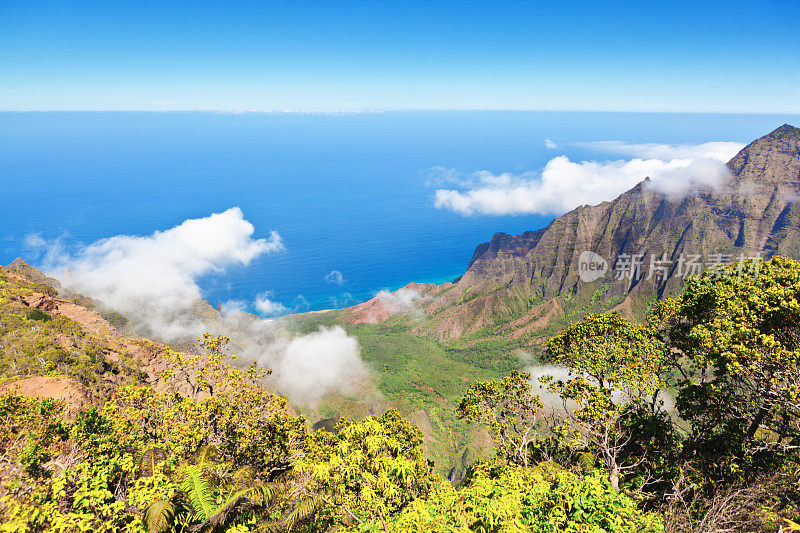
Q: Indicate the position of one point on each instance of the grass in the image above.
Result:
(406, 363)
(414, 374)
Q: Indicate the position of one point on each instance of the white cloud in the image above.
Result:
(720, 151)
(308, 367)
(154, 277)
(400, 301)
(550, 145)
(699, 174)
(267, 307)
(335, 277)
(341, 300)
(564, 185)
(153, 280)
(231, 307)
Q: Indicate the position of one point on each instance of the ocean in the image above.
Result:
(350, 192)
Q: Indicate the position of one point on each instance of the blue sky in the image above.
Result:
(384, 55)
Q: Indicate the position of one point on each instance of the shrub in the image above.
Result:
(38, 314)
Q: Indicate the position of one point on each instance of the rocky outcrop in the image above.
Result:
(70, 392)
(20, 267)
(89, 319)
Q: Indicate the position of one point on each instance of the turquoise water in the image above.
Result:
(347, 192)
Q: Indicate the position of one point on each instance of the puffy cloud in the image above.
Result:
(698, 174)
(400, 301)
(153, 281)
(720, 151)
(308, 367)
(335, 277)
(564, 185)
(267, 307)
(154, 277)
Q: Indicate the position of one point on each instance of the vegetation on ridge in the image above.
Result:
(231, 456)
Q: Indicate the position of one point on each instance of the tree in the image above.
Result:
(548, 498)
(613, 406)
(509, 409)
(247, 424)
(501, 497)
(739, 330)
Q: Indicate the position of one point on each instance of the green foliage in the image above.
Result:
(419, 374)
(740, 382)
(432, 364)
(198, 492)
(509, 410)
(150, 456)
(34, 342)
(369, 470)
(29, 428)
(115, 319)
(37, 314)
(547, 498)
(613, 401)
(239, 460)
(443, 511)
(612, 352)
(231, 456)
(159, 516)
(542, 499)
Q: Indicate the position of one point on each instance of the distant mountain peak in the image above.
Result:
(774, 159)
(23, 268)
(786, 131)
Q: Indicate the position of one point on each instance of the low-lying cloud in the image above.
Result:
(267, 307)
(674, 170)
(553, 401)
(154, 281)
(720, 151)
(154, 277)
(310, 366)
(400, 301)
(335, 277)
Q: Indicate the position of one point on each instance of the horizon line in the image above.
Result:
(403, 110)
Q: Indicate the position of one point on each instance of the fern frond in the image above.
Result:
(150, 459)
(258, 492)
(158, 516)
(586, 461)
(304, 510)
(206, 454)
(198, 492)
(244, 475)
(791, 525)
(236, 507)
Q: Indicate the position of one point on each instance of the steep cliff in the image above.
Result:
(517, 285)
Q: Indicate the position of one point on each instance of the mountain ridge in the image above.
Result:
(512, 281)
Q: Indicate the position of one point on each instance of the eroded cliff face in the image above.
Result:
(516, 285)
